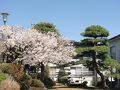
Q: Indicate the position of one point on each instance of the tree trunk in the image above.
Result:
(42, 72)
(103, 81)
(3, 57)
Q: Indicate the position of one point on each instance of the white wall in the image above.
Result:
(116, 44)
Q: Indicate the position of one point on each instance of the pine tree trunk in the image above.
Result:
(103, 81)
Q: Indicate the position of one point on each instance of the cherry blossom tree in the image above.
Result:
(32, 47)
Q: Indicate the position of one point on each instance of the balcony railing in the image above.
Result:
(84, 73)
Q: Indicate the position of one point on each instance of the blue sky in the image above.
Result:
(71, 17)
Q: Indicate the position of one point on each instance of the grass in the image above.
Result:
(2, 77)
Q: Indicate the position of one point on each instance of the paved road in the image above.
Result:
(62, 87)
(67, 89)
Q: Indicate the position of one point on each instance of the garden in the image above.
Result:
(26, 53)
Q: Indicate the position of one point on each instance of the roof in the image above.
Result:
(79, 65)
(76, 44)
(114, 37)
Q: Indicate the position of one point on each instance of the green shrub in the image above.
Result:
(34, 75)
(37, 83)
(2, 77)
(63, 79)
(25, 82)
(4, 67)
(62, 76)
(49, 83)
(61, 73)
(26, 79)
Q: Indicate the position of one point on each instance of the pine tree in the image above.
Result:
(45, 27)
(95, 46)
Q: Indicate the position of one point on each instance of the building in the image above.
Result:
(114, 44)
(53, 71)
(78, 74)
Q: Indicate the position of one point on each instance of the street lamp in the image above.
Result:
(4, 15)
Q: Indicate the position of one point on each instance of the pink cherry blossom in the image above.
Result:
(31, 46)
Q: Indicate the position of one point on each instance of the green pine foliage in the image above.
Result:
(96, 40)
(45, 27)
(110, 65)
(110, 62)
(101, 49)
(90, 41)
(95, 31)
